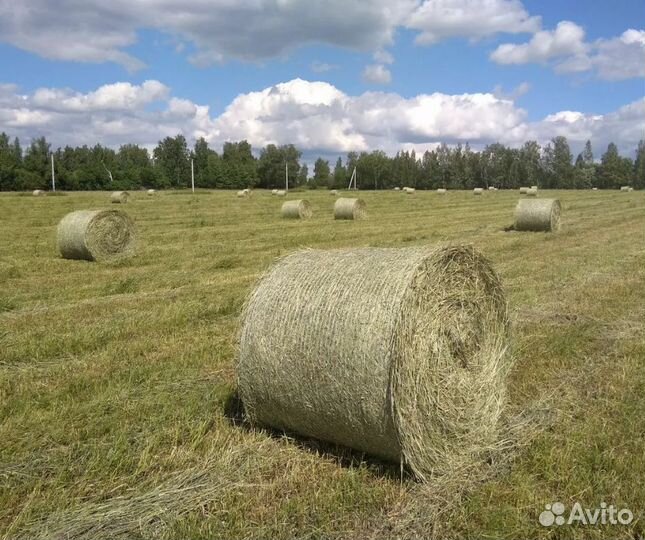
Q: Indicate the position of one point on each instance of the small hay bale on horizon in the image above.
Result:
(96, 235)
(151, 192)
(281, 193)
(242, 194)
(296, 209)
(119, 197)
(274, 191)
(478, 191)
(397, 188)
(346, 208)
(333, 192)
(626, 188)
(538, 215)
(400, 353)
(410, 191)
(523, 190)
(531, 192)
(442, 191)
(38, 193)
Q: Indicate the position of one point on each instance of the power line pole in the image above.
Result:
(192, 175)
(53, 175)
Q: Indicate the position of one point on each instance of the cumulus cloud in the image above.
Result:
(322, 67)
(622, 57)
(377, 74)
(315, 116)
(475, 19)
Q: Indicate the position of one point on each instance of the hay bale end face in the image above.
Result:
(400, 353)
(298, 209)
(538, 215)
(119, 197)
(96, 235)
(349, 209)
(478, 191)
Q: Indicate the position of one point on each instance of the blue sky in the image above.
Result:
(495, 70)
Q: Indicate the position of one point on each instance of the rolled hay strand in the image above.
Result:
(531, 192)
(537, 215)
(151, 192)
(96, 235)
(478, 191)
(442, 191)
(281, 193)
(38, 193)
(523, 190)
(298, 209)
(242, 194)
(345, 208)
(400, 353)
(119, 197)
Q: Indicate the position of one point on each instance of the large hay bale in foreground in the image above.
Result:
(96, 235)
(478, 191)
(119, 197)
(537, 215)
(297, 209)
(523, 190)
(38, 193)
(531, 192)
(400, 353)
(442, 191)
(345, 208)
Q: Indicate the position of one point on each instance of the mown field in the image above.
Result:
(117, 409)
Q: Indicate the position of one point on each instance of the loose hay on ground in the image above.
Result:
(400, 353)
(96, 235)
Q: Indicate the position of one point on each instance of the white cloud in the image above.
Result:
(383, 57)
(475, 19)
(377, 74)
(322, 67)
(617, 58)
(517, 92)
(315, 116)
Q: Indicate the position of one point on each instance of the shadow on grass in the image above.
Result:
(345, 457)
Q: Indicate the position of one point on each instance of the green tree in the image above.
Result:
(321, 173)
(340, 175)
(614, 170)
(9, 163)
(639, 166)
(200, 163)
(36, 163)
(173, 162)
(557, 164)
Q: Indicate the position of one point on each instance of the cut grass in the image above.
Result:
(115, 378)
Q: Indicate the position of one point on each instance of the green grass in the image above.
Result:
(115, 378)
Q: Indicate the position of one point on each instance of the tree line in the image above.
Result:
(454, 167)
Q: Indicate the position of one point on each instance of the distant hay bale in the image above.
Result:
(96, 235)
(281, 193)
(397, 189)
(523, 190)
(478, 191)
(333, 192)
(297, 209)
(349, 209)
(38, 193)
(594, 189)
(442, 191)
(242, 194)
(537, 215)
(119, 197)
(626, 188)
(400, 353)
(531, 192)
(151, 192)
(410, 191)
(274, 191)
(534, 187)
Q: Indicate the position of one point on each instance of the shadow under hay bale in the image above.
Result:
(297, 209)
(119, 197)
(96, 235)
(345, 208)
(399, 353)
(538, 215)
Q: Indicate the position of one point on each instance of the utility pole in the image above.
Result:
(192, 175)
(53, 175)
(286, 176)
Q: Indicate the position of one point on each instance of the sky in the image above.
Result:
(329, 76)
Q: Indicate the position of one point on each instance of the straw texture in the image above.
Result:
(400, 353)
(298, 209)
(345, 208)
(96, 235)
(537, 215)
(119, 197)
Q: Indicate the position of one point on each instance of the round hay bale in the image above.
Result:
(281, 193)
(537, 215)
(594, 189)
(523, 190)
(119, 197)
(333, 192)
(534, 187)
(397, 189)
(38, 193)
(242, 194)
(531, 192)
(626, 188)
(274, 191)
(400, 353)
(478, 191)
(96, 235)
(297, 209)
(410, 191)
(151, 192)
(442, 191)
(345, 208)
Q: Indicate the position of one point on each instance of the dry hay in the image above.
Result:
(400, 353)
(345, 208)
(410, 191)
(119, 197)
(594, 189)
(397, 189)
(492, 188)
(626, 188)
(531, 192)
(281, 193)
(242, 194)
(274, 191)
(478, 191)
(38, 193)
(537, 215)
(534, 187)
(333, 192)
(96, 235)
(442, 191)
(151, 192)
(297, 209)
(523, 190)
